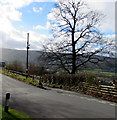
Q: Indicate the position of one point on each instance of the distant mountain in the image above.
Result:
(10, 55)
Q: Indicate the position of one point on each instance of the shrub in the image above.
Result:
(68, 79)
(40, 84)
(15, 66)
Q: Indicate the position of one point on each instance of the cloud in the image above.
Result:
(51, 15)
(14, 4)
(21, 3)
(17, 39)
(37, 10)
(110, 36)
(10, 36)
(106, 7)
(38, 40)
(7, 11)
(39, 27)
(14, 38)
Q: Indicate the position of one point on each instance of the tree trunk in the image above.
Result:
(73, 55)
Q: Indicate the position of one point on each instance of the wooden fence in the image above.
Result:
(101, 89)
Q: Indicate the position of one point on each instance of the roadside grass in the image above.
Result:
(23, 78)
(13, 115)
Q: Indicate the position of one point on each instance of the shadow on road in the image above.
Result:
(45, 88)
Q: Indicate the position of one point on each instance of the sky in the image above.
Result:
(19, 17)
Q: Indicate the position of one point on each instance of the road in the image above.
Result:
(54, 103)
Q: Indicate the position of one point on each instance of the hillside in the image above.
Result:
(10, 55)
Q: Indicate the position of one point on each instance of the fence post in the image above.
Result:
(6, 107)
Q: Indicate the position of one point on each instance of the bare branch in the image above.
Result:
(80, 37)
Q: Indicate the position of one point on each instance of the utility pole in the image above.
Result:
(27, 55)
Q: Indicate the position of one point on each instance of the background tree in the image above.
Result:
(15, 66)
(77, 39)
(37, 70)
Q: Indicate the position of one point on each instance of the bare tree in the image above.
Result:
(77, 39)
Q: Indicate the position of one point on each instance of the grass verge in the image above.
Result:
(12, 115)
(23, 78)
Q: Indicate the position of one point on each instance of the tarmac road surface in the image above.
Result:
(53, 103)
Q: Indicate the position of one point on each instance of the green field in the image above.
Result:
(102, 75)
